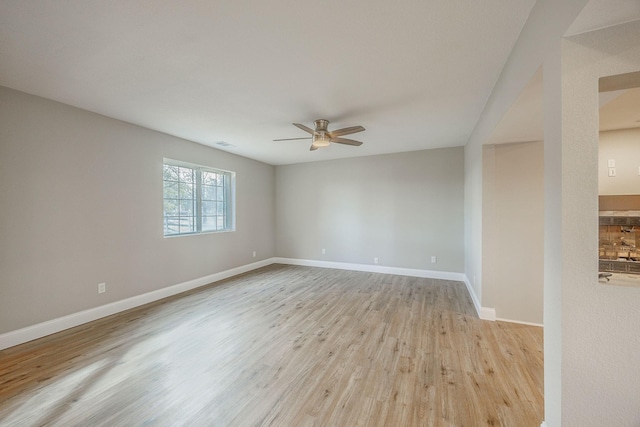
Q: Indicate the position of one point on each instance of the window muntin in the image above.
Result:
(197, 199)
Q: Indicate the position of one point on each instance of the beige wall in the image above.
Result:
(82, 204)
(513, 230)
(402, 208)
(623, 146)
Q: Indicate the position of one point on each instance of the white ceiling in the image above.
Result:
(523, 121)
(415, 74)
(598, 14)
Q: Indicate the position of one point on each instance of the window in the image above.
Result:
(197, 199)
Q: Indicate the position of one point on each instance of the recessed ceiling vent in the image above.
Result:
(224, 144)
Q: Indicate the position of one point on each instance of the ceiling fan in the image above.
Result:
(322, 137)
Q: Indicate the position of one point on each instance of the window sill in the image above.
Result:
(204, 233)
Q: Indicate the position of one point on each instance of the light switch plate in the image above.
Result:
(612, 171)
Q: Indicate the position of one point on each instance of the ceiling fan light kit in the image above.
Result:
(322, 137)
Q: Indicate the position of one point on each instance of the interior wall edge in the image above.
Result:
(39, 330)
(474, 297)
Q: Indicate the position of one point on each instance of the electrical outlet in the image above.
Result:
(254, 254)
(611, 163)
(434, 259)
(324, 251)
(375, 260)
(102, 288)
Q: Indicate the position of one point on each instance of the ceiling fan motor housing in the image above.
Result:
(321, 137)
(321, 125)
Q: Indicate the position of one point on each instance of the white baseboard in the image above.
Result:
(484, 313)
(487, 313)
(520, 322)
(49, 327)
(544, 424)
(412, 272)
(474, 297)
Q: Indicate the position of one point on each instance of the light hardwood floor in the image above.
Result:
(284, 346)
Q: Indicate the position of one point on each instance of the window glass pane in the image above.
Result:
(220, 195)
(170, 173)
(208, 223)
(208, 192)
(208, 178)
(186, 174)
(171, 225)
(187, 225)
(170, 190)
(186, 191)
(171, 207)
(186, 208)
(208, 208)
(220, 223)
(220, 208)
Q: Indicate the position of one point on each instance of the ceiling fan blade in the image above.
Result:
(313, 148)
(346, 141)
(291, 139)
(304, 128)
(346, 131)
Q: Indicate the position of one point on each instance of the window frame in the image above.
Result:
(198, 213)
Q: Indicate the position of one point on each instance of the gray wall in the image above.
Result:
(539, 44)
(513, 230)
(402, 208)
(600, 323)
(82, 204)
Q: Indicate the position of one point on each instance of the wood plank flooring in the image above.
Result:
(284, 346)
